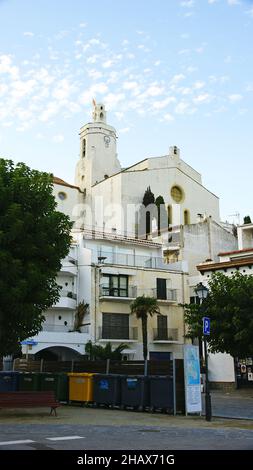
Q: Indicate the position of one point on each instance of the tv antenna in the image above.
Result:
(237, 215)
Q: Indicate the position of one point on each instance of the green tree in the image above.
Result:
(147, 201)
(96, 351)
(229, 305)
(247, 219)
(143, 307)
(34, 237)
(162, 222)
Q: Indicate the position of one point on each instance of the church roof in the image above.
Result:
(57, 180)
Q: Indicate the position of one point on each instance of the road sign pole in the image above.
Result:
(207, 395)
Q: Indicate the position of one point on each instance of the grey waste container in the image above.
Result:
(161, 393)
(107, 389)
(29, 381)
(135, 392)
(9, 381)
(58, 383)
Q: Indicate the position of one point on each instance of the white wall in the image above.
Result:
(221, 368)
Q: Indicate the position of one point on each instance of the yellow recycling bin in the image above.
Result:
(81, 386)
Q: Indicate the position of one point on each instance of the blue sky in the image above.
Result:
(171, 72)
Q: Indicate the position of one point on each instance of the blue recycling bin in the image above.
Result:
(135, 392)
(9, 381)
(107, 389)
(161, 393)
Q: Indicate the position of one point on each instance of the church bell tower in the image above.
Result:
(98, 151)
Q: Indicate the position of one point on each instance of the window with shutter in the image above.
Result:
(161, 288)
(115, 326)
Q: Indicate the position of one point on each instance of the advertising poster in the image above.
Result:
(192, 379)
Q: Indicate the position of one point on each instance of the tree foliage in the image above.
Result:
(96, 351)
(148, 197)
(230, 307)
(143, 307)
(34, 237)
(162, 222)
(247, 219)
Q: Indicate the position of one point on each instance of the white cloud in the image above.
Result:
(177, 78)
(168, 117)
(182, 107)
(20, 88)
(92, 59)
(108, 63)
(233, 2)
(198, 84)
(154, 90)
(63, 90)
(3, 89)
(202, 98)
(51, 110)
(212, 1)
(163, 103)
(28, 33)
(95, 74)
(130, 85)
(234, 98)
(7, 67)
(112, 100)
(187, 3)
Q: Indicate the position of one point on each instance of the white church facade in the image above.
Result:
(105, 203)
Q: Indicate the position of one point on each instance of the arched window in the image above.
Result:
(101, 115)
(169, 209)
(186, 217)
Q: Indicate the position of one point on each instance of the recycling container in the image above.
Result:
(135, 392)
(29, 381)
(81, 387)
(107, 389)
(58, 382)
(9, 381)
(161, 393)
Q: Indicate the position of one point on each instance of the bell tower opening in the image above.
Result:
(99, 113)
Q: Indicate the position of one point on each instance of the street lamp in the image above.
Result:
(202, 293)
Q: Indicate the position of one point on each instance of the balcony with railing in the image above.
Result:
(69, 266)
(169, 295)
(64, 328)
(112, 292)
(165, 335)
(118, 334)
(130, 259)
(105, 292)
(67, 300)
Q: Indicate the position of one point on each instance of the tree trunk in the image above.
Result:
(145, 337)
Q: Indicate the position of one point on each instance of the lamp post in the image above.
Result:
(202, 293)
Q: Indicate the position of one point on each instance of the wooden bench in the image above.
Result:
(28, 400)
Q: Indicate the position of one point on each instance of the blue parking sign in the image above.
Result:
(206, 326)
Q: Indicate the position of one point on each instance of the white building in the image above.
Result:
(108, 272)
(222, 365)
(105, 203)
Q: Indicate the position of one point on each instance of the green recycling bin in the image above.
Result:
(29, 381)
(56, 382)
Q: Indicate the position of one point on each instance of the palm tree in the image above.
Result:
(143, 307)
(96, 351)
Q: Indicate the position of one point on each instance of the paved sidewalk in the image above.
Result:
(237, 404)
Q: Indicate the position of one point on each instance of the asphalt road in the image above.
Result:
(99, 437)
